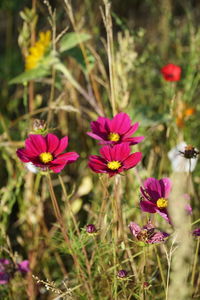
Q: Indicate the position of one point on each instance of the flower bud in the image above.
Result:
(122, 273)
(90, 228)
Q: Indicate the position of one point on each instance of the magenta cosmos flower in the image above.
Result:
(115, 131)
(114, 160)
(171, 72)
(45, 152)
(147, 233)
(154, 196)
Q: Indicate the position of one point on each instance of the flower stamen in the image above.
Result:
(46, 157)
(114, 165)
(113, 137)
(162, 203)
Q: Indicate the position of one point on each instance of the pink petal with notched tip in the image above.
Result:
(121, 123)
(21, 153)
(134, 140)
(62, 146)
(132, 160)
(148, 206)
(97, 164)
(65, 158)
(37, 142)
(120, 152)
(52, 142)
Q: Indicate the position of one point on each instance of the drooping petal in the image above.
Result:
(148, 206)
(163, 213)
(62, 146)
(65, 158)
(97, 164)
(95, 136)
(134, 140)
(166, 185)
(52, 142)
(134, 228)
(158, 237)
(21, 153)
(132, 160)
(23, 266)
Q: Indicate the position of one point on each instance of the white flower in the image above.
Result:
(31, 167)
(179, 162)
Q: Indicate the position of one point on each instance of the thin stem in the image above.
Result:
(66, 238)
(160, 268)
(195, 262)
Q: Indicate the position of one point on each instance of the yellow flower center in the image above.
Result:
(114, 165)
(114, 137)
(162, 203)
(46, 157)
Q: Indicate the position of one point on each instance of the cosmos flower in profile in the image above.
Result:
(171, 72)
(46, 152)
(115, 131)
(183, 157)
(114, 160)
(154, 196)
(148, 233)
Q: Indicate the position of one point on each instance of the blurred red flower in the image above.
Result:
(171, 72)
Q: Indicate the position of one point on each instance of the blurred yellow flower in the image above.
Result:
(37, 52)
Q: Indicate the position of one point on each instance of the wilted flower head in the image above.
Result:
(122, 274)
(183, 158)
(37, 52)
(91, 228)
(39, 126)
(114, 160)
(154, 196)
(196, 232)
(147, 233)
(8, 269)
(45, 152)
(115, 131)
(171, 72)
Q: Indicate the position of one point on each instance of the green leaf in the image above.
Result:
(72, 39)
(76, 53)
(42, 70)
(30, 75)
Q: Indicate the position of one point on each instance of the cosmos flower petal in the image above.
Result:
(163, 213)
(158, 237)
(21, 153)
(134, 140)
(153, 188)
(106, 152)
(132, 160)
(97, 164)
(166, 185)
(52, 142)
(38, 142)
(148, 206)
(120, 123)
(134, 228)
(65, 158)
(23, 266)
(62, 146)
(95, 136)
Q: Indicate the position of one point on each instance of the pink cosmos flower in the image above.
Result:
(114, 160)
(147, 233)
(171, 72)
(8, 269)
(196, 232)
(154, 196)
(115, 131)
(45, 152)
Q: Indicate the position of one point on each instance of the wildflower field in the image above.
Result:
(99, 148)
